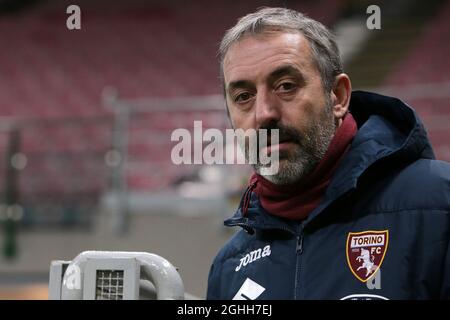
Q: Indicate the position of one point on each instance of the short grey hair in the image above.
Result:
(324, 49)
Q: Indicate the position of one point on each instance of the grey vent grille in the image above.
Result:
(109, 285)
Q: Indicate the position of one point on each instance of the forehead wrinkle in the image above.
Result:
(296, 53)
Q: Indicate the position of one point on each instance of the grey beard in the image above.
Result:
(311, 150)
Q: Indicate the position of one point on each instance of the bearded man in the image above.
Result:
(359, 207)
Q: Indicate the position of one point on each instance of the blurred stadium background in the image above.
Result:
(86, 118)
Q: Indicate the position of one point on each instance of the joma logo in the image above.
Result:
(254, 255)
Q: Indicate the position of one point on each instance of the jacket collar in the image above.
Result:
(387, 129)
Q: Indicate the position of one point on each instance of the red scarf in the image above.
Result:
(297, 200)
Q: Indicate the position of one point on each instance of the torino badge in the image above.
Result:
(365, 252)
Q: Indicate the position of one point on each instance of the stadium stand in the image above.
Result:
(427, 64)
(53, 79)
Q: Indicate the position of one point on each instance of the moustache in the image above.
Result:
(285, 134)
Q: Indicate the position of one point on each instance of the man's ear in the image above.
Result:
(340, 95)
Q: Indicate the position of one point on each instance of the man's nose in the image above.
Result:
(267, 109)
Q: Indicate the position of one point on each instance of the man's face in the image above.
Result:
(271, 82)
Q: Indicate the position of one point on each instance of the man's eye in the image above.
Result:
(286, 87)
(243, 97)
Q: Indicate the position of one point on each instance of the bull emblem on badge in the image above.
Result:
(367, 260)
(365, 252)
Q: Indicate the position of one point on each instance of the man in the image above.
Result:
(359, 208)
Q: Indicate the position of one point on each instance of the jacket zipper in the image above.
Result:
(299, 251)
(300, 243)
